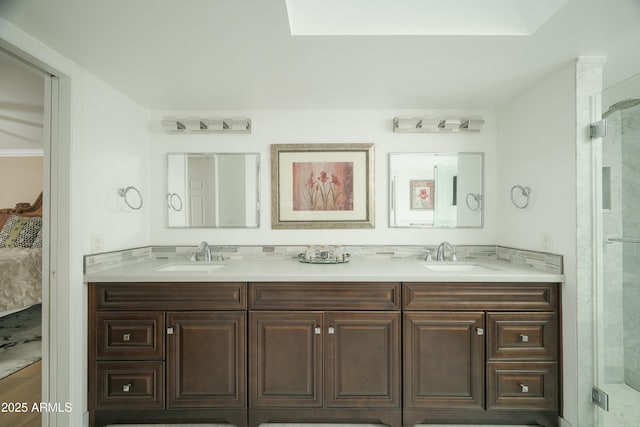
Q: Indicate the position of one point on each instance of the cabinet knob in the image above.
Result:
(524, 338)
(169, 331)
(317, 330)
(480, 331)
(126, 337)
(331, 330)
(126, 388)
(524, 388)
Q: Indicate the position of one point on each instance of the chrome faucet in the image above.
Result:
(440, 256)
(204, 246)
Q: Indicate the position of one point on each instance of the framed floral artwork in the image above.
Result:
(422, 193)
(322, 186)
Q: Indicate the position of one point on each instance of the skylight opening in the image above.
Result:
(419, 17)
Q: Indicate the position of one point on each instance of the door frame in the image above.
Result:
(56, 224)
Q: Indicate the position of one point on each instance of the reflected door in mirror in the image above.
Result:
(213, 190)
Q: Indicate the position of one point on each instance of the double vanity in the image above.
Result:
(378, 340)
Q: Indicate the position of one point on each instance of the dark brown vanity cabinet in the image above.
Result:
(167, 352)
(337, 361)
(485, 352)
(324, 352)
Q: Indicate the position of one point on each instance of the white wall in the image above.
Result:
(116, 155)
(20, 180)
(321, 126)
(621, 91)
(537, 148)
(623, 61)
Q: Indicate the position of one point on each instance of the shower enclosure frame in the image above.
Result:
(611, 391)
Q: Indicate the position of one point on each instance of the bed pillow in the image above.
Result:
(20, 231)
(37, 243)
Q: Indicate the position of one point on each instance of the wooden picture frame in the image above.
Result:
(322, 186)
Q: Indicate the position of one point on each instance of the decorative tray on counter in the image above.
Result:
(324, 256)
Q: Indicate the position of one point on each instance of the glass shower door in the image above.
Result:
(618, 289)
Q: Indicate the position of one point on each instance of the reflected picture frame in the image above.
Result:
(322, 186)
(422, 194)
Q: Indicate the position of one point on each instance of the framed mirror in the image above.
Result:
(436, 190)
(213, 190)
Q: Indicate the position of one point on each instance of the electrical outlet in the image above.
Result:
(97, 243)
(547, 241)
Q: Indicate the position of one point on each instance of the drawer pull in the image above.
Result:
(126, 337)
(331, 330)
(317, 330)
(126, 388)
(480, 331)
(524, 338)
(524, 388)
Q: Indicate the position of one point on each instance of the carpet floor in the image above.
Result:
(20, 339)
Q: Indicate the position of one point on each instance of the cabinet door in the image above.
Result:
(444, 360)
(362, 359)
(285, 359)
(206, 362)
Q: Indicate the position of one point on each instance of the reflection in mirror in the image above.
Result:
(436, 189)
(213, 190)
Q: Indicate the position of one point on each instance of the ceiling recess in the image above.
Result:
(420, 17)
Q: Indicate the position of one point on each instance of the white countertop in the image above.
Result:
(369, 269)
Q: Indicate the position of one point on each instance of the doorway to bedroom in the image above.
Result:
(22, 175)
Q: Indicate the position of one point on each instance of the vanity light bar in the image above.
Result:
(207, 125)
(436, 124)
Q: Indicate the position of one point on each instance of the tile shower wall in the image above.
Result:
(630, 130)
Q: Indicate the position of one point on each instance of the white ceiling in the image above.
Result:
(239, 54)
(21, 108)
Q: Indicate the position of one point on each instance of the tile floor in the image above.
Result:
(312, 425)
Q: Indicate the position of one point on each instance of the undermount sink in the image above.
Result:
(194, 268)
(458, 268)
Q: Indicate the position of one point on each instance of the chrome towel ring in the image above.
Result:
(174, 201)
(475, 203)
(123, 192)
(526, 195)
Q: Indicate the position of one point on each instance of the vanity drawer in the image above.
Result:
(171, 296)
(324, 296)
(522, 336)
(135, 385)
(130, 335)
(528, 386)
(480, 296)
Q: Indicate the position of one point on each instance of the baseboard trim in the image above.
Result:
(563, 423)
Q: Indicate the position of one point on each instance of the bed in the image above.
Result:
(20, 267)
